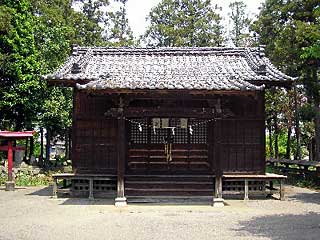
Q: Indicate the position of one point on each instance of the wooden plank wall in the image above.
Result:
(241, 146)
(235, 142)
(94, 136)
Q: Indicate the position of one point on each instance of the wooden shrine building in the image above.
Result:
(167, 121)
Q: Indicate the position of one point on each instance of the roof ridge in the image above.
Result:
(80, 50)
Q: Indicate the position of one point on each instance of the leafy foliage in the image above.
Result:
(19, 66)
(184, 23)
(291, 32)
(240, 24)
(119, 32)
(88, 22)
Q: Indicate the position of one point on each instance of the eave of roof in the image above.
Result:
(204, 68)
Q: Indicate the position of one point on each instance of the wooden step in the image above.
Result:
(170, 199)
(166, 182)
(170, 178)
(169, 185)
(166, 192)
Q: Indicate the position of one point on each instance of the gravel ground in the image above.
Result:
(29, 213)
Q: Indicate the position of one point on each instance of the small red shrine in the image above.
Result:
(11, 137)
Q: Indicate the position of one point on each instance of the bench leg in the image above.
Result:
(91, 189)
(55, 188)
(246, 189)
(282, 190)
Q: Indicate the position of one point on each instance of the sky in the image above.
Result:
(139, 9)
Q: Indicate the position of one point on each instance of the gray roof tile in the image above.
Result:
(168, 68)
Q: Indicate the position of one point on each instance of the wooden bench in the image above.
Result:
(300, 163)
(74, 176)
(270, 177)
(302, 169)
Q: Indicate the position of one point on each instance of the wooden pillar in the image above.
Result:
(10, 185)
(246, 189)
(55, 188)
(121, 200)
(218, 191)
(91, 189)
(217, 199)
(10, 161)
(282, 190)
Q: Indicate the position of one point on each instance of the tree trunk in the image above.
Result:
(31, 149)
(66, 144)
(47, 159)
(41, 148)
(317, 112)
(269, 126)
(317, 128)
(26, 150)
(70, 143)
(276, 133)
(297, 126)
(288, 149)
(312, 149)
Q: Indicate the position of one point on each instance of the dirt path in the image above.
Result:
(31, 214)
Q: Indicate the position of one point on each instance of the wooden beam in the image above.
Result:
(282, 190)
(55, 188)
(218, 187)
(121, 199)
(65, 83)
(246, 189)
(217, 199)
(10, 161)
(91, 189)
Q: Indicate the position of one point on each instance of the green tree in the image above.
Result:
(240, 24)
(54, 31)
(19, 66)
(89, 22)
(118, 31)
(291, 29)
(184, 23)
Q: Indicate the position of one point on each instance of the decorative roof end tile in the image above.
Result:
(262, 50)
(262, 69)
(75, 68)
(74, 49)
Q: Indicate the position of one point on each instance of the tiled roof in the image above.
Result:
(169, 68)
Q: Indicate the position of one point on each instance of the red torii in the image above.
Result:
(11, 136)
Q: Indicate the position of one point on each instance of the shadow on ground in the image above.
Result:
(312, 197)
(85, 201)
(46, 191)
(283, 226)
(67, 200)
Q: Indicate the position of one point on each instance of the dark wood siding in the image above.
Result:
(234, 139)
(95, 136)
(241, 146)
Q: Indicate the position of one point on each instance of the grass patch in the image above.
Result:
(26, 179)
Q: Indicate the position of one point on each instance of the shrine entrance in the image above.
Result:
(159, 145)
(11, 137)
